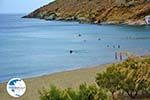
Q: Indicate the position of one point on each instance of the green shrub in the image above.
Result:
(131, 76)
(111, 80)
(52, 94)
(91, 93)
(85, 92)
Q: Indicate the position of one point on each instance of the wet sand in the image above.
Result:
(68, 79)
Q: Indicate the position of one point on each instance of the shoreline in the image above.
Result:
(58, 71)
(65, 79)
(129, 22)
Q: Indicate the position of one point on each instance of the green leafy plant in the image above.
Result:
(111, 80)
(85, 92)
(131, 77)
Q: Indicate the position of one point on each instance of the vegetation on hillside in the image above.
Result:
(95, 11)
(128, 79)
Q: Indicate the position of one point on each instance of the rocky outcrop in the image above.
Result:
(95, 11)
(51, 16)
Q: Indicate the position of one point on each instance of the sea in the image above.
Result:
(34, 47)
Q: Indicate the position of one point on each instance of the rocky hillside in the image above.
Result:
(95, 11)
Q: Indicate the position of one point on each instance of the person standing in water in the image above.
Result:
(120, 56)
(116, 56)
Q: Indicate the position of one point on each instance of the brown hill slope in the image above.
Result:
(95, 11)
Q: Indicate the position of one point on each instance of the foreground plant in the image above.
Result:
(110, 80)
(131, 77)
(85, 92)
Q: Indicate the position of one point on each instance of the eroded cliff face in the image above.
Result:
(95, 11)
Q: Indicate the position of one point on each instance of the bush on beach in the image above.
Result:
(85, 92)
(131, 77)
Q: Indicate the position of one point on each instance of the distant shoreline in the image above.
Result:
(129, 23)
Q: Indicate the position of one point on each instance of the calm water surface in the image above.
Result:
(32, 47)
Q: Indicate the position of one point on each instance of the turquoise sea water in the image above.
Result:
(32, 47)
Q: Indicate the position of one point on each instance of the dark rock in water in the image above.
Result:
(118, 46)
(25, 17)
(107, 45)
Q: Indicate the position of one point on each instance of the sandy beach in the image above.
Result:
(68, 79)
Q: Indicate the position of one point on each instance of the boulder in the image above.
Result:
(147, 19)
(52, 16)
(138, 22)
(83, 19)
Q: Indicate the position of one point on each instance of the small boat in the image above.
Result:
(147, 19)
